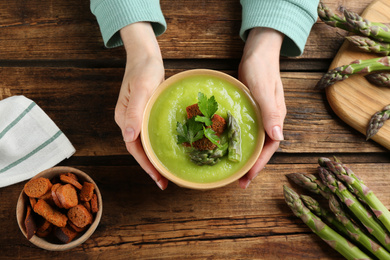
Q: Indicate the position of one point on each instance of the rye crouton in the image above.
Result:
(80, 216)
(32, 201)
(45, 229)
(47, 196)
(29, 223)
(71, 175)
(54, 195)
(45, 226)
(87, 205)
(76, 228)
(69, 179)
(219, 124)
(193, 110)
(47, 212)
(37, 187)
(65, 234)
(203, 144)
(67, 196)
(87, 191)
(94, 204)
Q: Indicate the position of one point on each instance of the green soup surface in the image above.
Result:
(170, 108)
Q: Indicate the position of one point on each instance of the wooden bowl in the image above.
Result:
(23, 201)
(171, 176)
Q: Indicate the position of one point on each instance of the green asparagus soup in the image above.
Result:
(170, 108)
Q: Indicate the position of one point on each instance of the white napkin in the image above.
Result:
(30, 141)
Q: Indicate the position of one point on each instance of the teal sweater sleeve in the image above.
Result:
(113, 15)
(293, 18)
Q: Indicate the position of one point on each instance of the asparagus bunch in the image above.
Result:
(380, 79)
(334, 239)
(234, 135)
(356, 67)
(365, 194)
(377, 121)
(354, 205)
(354, 232)
(208, 157)
(337, 217)
(343, 223)
(344, 189)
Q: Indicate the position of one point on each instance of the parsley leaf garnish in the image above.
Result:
(208, 107)
(210, 134)
(189, 132)
(194, 128)
(204, 120)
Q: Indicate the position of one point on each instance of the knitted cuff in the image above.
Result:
(113, 15)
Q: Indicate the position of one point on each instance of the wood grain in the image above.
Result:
(82, 102)
(355, 100)
(52, 52)
(180, 223)
(67, 30)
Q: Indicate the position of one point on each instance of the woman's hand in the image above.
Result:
(144, 72)
(259, 70)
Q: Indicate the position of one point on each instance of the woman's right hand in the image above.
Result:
(143, 74)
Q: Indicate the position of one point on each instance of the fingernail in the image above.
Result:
(277, 133)
(159, 185)
(247, 185)
(129, 135)
(254, 177)
(153, 177)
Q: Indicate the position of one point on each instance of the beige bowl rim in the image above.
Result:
(160, 167)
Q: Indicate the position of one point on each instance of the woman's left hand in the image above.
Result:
(259, 70)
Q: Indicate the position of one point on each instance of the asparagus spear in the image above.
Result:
(339, 169)
(208, 157)
(369, 45)
(334, 239)
(311, 183)
(377, 31)
(332, 19)
(366, 218)
(355, 232)
(364, 193)
(377, 121)
(380, 79)
(234, 135)
(316, 208)
(352, 22)
(356, 67)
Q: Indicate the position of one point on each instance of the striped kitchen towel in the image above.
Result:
(30, 141)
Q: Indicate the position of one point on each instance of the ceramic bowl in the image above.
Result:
(171, 175)
(47, 244)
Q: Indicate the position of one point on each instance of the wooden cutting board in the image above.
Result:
(355, 100)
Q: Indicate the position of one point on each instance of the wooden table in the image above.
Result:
(52, 52)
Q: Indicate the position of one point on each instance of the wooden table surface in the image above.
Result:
(52, 52)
